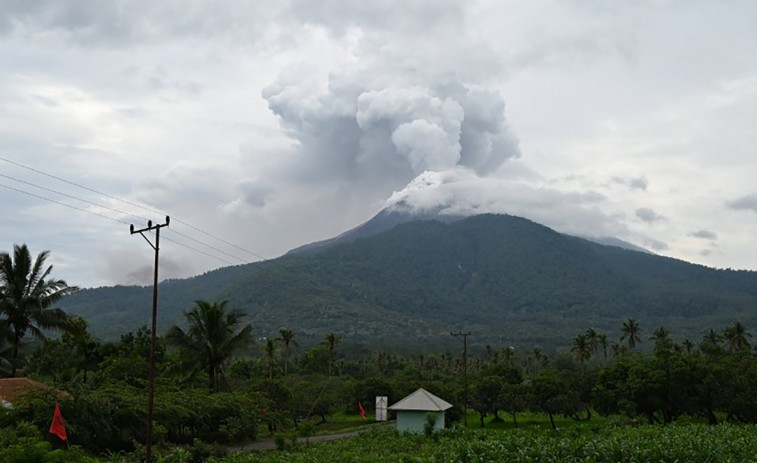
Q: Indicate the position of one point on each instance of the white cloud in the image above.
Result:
(271, 124)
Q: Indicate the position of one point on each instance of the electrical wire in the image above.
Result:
(121, 212)
(135, 205)
(44, 198)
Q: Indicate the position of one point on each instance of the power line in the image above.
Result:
(206, 245)
(44, 198)
(121, 212)
(63, 204)
(72, 197)
(134, 205)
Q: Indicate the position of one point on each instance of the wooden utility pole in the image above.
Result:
(151, 374)
(465, 372)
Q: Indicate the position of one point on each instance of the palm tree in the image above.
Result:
(616, 349)
(6, 363)
(212, 338)
(509, 356)
(270, 351)
(631, 332)
(603, 341)
(27, 293)
(581, 347)
(712, 338)
(331, 340)
(737, 335)
(688, 346)
(592, 337)
(286, 337)
(540, 357)
(662, 340)
(489, 353)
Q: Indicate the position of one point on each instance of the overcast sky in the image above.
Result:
(268, 125)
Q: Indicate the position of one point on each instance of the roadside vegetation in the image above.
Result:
(638, 394)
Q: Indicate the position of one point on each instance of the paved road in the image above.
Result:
(269, 444)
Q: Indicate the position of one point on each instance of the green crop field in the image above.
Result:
(689, 443)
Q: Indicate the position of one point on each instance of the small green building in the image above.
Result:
(413, 409)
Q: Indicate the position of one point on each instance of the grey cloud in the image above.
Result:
(745, 203)
(115, 23)
(705, 252)
(648, 215)
(704, 234)
(185, 184)
(254, 193)
(408, 15)
(657, 245)
(159, 81)
(639, 183)
(634, 183)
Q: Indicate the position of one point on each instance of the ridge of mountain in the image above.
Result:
(388, 218)
(508, 280)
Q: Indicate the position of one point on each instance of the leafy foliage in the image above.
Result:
(211, 340)
(27, 293)
(492, 274)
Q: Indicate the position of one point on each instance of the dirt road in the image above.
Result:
(269, 444)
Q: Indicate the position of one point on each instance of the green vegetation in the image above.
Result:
(637, 395)
(26, 294)
(504, 278)
(211, 340)
(689, 443)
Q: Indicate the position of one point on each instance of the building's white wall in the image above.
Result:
(414, 421)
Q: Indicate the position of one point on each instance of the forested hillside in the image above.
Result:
(506, 279)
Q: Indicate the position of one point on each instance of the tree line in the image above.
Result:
(218, 384)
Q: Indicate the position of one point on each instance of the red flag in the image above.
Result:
(362, 410)
(57, 427)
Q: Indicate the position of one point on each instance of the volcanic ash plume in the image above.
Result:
(395, 133)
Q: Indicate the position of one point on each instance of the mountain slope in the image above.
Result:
(505, 278)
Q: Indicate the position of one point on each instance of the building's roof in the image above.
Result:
(12, 388)
(422, 400)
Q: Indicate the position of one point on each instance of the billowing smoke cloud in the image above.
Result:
(460, 192)
(397, 132)
(394, 109)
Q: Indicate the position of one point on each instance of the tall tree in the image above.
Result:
(604, 343)
(581, 348)
(213, 337)
(736, 335)
(592, 337)
(712, 339)
(269, 349)
(662, 339)
(27, 293)
(631, 333)
(286, 337)
(331, 340)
